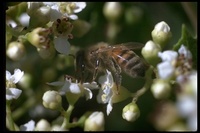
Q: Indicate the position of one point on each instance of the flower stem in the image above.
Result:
(147, 85)
(67, 114)
(10, 122)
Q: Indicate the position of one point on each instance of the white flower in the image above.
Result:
(62, 45)
(183, 50)
(168, 55)
(11, 91)
(59, 9)
(165, 70)
(105, 93)
(30, 126)
(75, 87)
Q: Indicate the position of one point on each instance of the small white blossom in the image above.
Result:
(183, 50)
(59, 9)
(30, 126)
(11, 91)
(165, 70)
(168, 55)
(105, 93)
(75, 87)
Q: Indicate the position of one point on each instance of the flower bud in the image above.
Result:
(43, 125)
(133, 15)
(161, 34)
(39, 37)
(52, 100)
(160, 89)
(95, 122)
(15, 51)
(131, 112)
(40, 17)
(112, 11)
(150, 52)
(47, 53)
(57, 128)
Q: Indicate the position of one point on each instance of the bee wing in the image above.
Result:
(134, 46)
(130, 46)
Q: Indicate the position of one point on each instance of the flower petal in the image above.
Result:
(65, 87)
(183, 50)
(168, 55)
(17, 75)
(12, 93)
(74, 88)
(88, 93)
(92, 85)
(80, 6)
(24, 19)
(165, 70)
(8, 75)
(99, 99)
(62, 45)
(28, 126)
(109, 107)
(57, 83)
(55, 14)
(73, 16)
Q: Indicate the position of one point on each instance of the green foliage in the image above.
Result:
(190, 42)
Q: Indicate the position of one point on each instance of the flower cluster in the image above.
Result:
(45, 25)
(49, 27)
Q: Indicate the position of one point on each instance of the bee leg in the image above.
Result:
(82, 73)
(96, 69)
(116, 69)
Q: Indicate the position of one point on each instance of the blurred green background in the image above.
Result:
(136, 23)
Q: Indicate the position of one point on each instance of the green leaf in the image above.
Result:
(188, 41)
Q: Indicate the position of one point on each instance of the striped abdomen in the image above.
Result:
(130, 63)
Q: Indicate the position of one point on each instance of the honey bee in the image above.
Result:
(115, 58)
